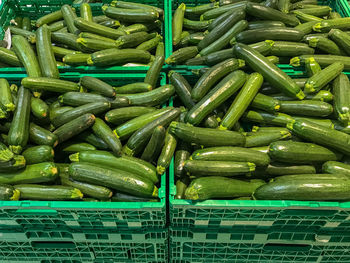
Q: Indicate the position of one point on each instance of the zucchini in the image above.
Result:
(150, 44)
(216, 12)
(16, 163)
(181, 186)
(41, 136)
(257, 139)
(231, 154)
(154, 71)
(141, 136)
(321, 135)
(242, 101)
(311, 108)
(323, 60)
(206, 136)
(323, 77)
(266, 103)
(48, 192)
(341, 38)
(5, 153)
(5, 95)
(182, 88)
(131, 15)
(200, 9)
(322, 95)
(74, 127)
(325, 45)
(221, 29)
(278, 169)
(26, 55)
(19, 129)
(312, 67)
(67, 39)
(212, 76)
(103, 131)
(49, 84)
(111, 23)
(9, 57)
(283, 6)
(155, 144)
(136, 87)
(177, 23)
(327, 25)
(34, 173)
(113, 178)
(58, 111)
(81, 98)
(341, 89)
(30, 36)
(332, 167)
(264, 24)
(289, 49)
(95, 44)
(306, 27)
(125, 163)
(119, 116)
(182, 55)
(8, 192)
(306, 17)
(92, 27)
(120, 197)
(204, 188)
(92, 139)
(151, 98)
(72, 147)
(132, 40)
(277, 119)
(267, 13)
(97, 86)
(334, 15)
(49, 18)
(275, 76)
(85, 12)
(61, 52)
(181, 155)
(69, 16)
(39, 108)
(305, 188)
(132, 5)
(96, 36)
(93, 108)
(113, 56)
(320, 11)
(78, 59)
(218, 168)
(224, 90)
(38, 154)
(167, 153)
(196, 25)
(274, 33)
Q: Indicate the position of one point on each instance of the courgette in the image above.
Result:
(85, 12)
(341, 90)
(49, 18)
(73, 147)
(8, 192)
(279, 33)
(177, 23)
(311, 108)
(5, 95)
(154, 71)
(95, 44)
(78, 59)
(167, 153)
(323, 60)
(30, 36)
(327, 25)
(5, 153)
(119, 116)
(182, 55)
(9, 57)
(341, 38)
(181, 155)
(277, 119)
(92, 139)
(289, 49)
(155, 145)
(38, 154)
(131, 15)
(333, 167)
(97, 86)
(15, 164)
(39, 108)
(257, 139)
(41, 136)
(278, 169)
(69, 16)
(181, 185)
(49, 84)
(136, 87)
(48, 192)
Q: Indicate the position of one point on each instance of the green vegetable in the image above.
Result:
(38, 154)
(48, 192)
(341, 90)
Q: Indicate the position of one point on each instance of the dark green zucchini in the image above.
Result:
(92, 139)
(183, 152)
(97, 86)
(277, 119)
(48, 192)
(73, 147)
(289, 49)
(9, 57)
(181, 185)
(341, 90)
(49, 84)
(119, 116)
(155, 144)
(38, 154)
(167, 153)
(81, 98)
(136, 87)
(266, 103)
(182, 55)
(131, 15)
(154, 71)
(333, 167)
(5, 153)
(274, 33)
(257, 139)
(323, 60)
(16, 163)
(39, 108)
(120, 197)
(49, 18)
(41, 136)
(311, 108)
(5, 95)
(177, 23)
(69, 16)
(341, 38)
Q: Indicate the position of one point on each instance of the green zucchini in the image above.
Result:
(120, 197)
(85, 12)
(60, 52)
(93, 108)
(34, 173)
(5, 95)
(95, 36)
(257, 139)
(97, 86)
(150, 44)
(49, 84)
(155, 144)
(231, 154)
(111, 23)
(341, 38)
(196, 25)
(289, 49)
(224, 90)
(167, 153)
(26, 55)
(206, 136)
(242, 101)
(213, 75)
(218, 168)
(182, 55)
(181, 155)
(275, 76)
(182, 88)
(321, 135)
(333, 167)
(306, 17)
(160, 49)
(73, 147)
(69, 16)
(305, 188)
(132, 40)
(221, 29)
(311, 108)
(81, 98)
(284, 5)
(8, 192)
(38, 154)
(325, 45)
(334, 15)
(151, 98)
(139, 139)
(267, 13)
(113, 56)
(5, 153)
(125, 163)
(266, 103)
(39, 108)
(323, 77)
(154, 71)
(9, 57)
(277, 119)
(92, 27)
(278, 169)
(264, 24)
(57, 25)
(95, 44)
(19, 130)
(341, 89)
(113, 178)
(323, 60)
(327, 25)
(200, 9)
(274, 33)
(136, 87)
(103, 131)
(67, 39)
(177, 23)
(216, 12)
(119, 116)
(49, 18)
(78, 59)
(306, 27)
(132, 5)
(48, 192)
(181, 185)
(92, 139)
(74, 127)
(131, 15)
(42, 136)
(15, 164)
(58, 111)
(30, 36)
(312, 67)
(204, 188)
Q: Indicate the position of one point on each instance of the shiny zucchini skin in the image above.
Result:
(92, 139)
(182, 153)
(77, 59)
(9, 57)
(279, 33)
(258, 139)
(333, 167)
(49, 18)
(95, 44)
(73, 147)
(312, 108)
(323, 60)
(85, 12)
(5, 95)
(277, 119)
(177, 23)
(131, 15)
(48, 192)
(39, 108)
(154, 71)
(38, 154)
(15, 164)
(289, 49)
(136, 87)
(278, 169)
(49, 84)
(264, 24)
(341, 38)
(69, 16)
(167, 153)
(155, 145)
(266, 103)
(41, 136)
(341, 90)
(80, 98)
(181, 185)
(121, 115)
(97, 86)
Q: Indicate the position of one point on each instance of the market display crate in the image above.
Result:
(59, 245)
(87, 215)
(242, 247)
(340, 6)
(9, 9)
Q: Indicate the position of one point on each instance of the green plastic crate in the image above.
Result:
(341, 6)
(257, 214)
(9, 9)
(96, 246)
(87, 215)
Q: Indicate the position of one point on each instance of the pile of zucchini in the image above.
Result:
(288, 31)
(247, 130)
(127, 33)
(62, 140)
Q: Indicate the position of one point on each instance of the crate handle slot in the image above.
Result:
(287, 247)
(53, 245)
